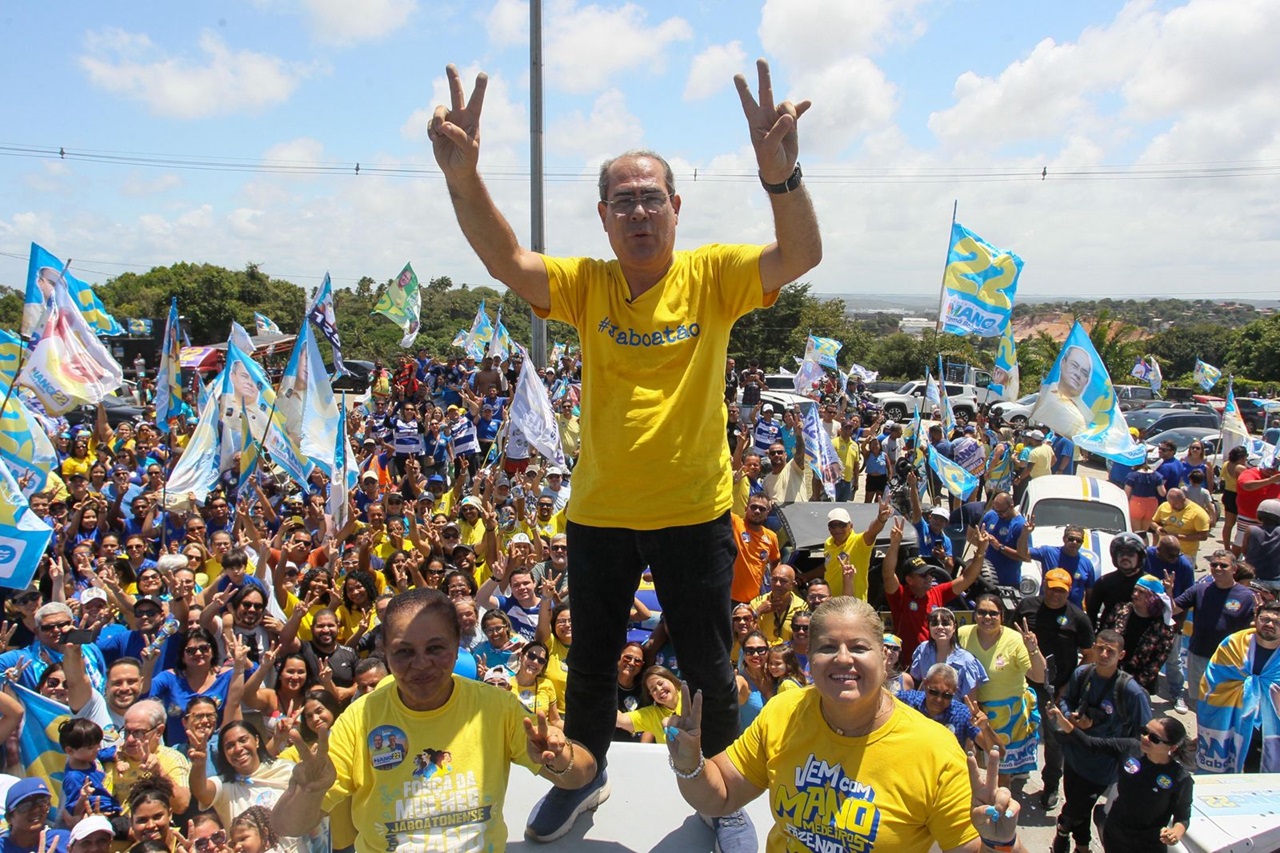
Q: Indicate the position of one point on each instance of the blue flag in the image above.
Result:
(1005, 376)
(139, 328)
(265, 325)
(38, 741)
(823, 351)
(477, 341)
(307, 404)
(322, 314)
(820, 452)
(25, 444)
(979, 285)
(169, 381)
(955, 478)
(1077, 400)
(42, 271)
(23, 536)
(244, 384)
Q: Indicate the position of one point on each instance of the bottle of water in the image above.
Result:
(167, 630)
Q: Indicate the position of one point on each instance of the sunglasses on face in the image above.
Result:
(212, 842)
(536, 658)
(756, 650)
(940, 694)
(1155, 739)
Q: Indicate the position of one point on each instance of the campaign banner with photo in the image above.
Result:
(979, 285)
(1004, 378)
(1077, 400)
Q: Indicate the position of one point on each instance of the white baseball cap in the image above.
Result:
(839, 514)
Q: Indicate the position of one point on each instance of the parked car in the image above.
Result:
(783, 400)
(1254, 412)
(1151, 421)
(119, 410)
(1015, 413)
(1257, 449)
(1181, 438)
(1056, 500)
(903, 403)
(1134, 396)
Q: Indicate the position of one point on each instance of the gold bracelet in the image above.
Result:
(567, 768)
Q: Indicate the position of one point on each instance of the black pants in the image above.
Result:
(692, 569)
(1080, 795)
(1051, 772)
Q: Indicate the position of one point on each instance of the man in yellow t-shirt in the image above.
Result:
(1184, 519)
(845, 547)
(850, 455)
(653, 484)
(775, 608)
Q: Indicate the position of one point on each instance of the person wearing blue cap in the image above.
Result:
(1147, 625)
(26, 809)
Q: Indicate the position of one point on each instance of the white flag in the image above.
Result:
(531, 414)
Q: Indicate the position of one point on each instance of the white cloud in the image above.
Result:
(609, 128)
(713, 70)
(504, 122)
(586, 46)
(345, 22)
(508, 23)
(808, 34)
(851, 97)
(143, 184)
(222, 82)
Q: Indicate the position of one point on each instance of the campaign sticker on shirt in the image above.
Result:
(1164, 781)
(387, 747)
(1132, 766)
(1232, 606)
(1108, 707)
(999, 662)
(913, 606)
(1062, 620)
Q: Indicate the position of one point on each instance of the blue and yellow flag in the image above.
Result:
(24, 444)
(265, 325)
(954, 478)
(38, 741)
(1206, 375)
(306, 402)
(979, 285)
(823, 351)
(248, 458)
(477, 341)
(169, 380)
(948, 413)
(820, 452)
(23, 536)
(138, 328)
(1235, 432)
(499, 347)
(11, 357)
(42, 271)
(323, 314)
(1077, 400)
(558, 350)
(1004, 378)
(244, 385)
(1234, 702)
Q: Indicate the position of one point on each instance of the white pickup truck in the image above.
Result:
(903, 403)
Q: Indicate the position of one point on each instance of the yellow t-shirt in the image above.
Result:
(540, 697)
(649, 719)
(653, 384)
(858, 552)
(1041, 460)
(855, 793)
(777, 629)
(1191, 519)
(850, 456)
(551, 527)
(442, 781)
(72, 465)
(349, 622)
(741, 494)
(1006, 662)
(557, 671)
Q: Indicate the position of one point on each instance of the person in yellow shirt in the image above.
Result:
(471, 733)
(830, 757)
(1184, 519)
(546, 521)
(775, 608)
(1039, 461)
(80, 460)
(850, 455)
(844, 547)
(653, 484)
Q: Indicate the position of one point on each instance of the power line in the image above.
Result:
(1203, 170)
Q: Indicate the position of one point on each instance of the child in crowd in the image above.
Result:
(84, 775)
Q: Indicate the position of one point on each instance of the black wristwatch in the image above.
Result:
(791, 184)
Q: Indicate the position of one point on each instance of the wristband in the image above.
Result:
(567, 767)
(789, 185)
(999, 846)
(692, 774)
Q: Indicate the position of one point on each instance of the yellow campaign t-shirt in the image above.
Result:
(777, 629)
(1006, 662)
(1041, 460)
(553, 526)
(653, 412)
(428, 780)
(557, 671)
(855, 793)
(1190, 519)
(858, 552)
(539, 697)
(650, 718)
(850, 456)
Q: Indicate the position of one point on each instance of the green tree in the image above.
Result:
(1256, 350)
(10, 308)
(1177, 348)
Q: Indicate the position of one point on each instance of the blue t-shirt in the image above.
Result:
(877, 464)
(1183, 571)
(73, 781)
(60, 837)
(1119, 473)
(173, 691)
(1007, 533)
(1188, 467)
(1145, 484)
(928, 539)
(1064, 455)
(1170, 471)
(765, 434)
(1084, 574)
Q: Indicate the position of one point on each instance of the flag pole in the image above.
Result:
(942, 288)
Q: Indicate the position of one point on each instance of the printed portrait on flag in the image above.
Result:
(1061, 405)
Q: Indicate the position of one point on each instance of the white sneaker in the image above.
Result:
(1180, 705)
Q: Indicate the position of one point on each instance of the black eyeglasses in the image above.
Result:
(795, 628)
(1155, 739)
(756, 650)
(941, 621)
(57, 628)
(1219, 565)
(987, 614)
(252, 605)
(940, 694)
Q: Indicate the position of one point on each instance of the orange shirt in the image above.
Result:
(757, 552)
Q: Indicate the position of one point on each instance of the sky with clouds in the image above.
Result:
(1122, 149)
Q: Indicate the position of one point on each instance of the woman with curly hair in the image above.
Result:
(359, 590)
(251, 832)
